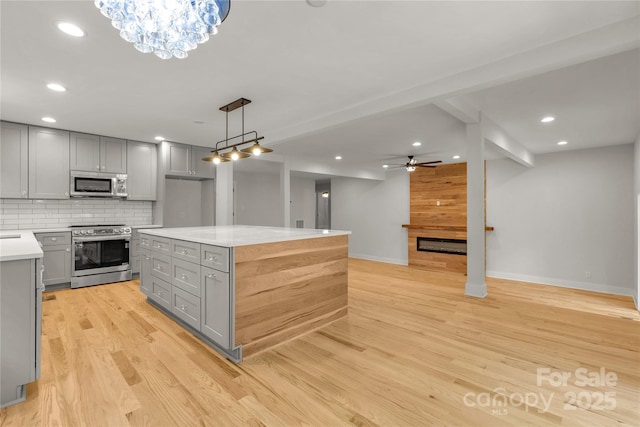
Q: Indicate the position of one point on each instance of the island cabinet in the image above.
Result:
(245, 289)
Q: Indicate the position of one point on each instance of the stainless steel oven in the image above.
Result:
(100, 255)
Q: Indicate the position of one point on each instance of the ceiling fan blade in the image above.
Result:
(429, 163)
(425, 166)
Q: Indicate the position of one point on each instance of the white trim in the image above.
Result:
(635, 301)
(380, 259)
(476, 290)
(594, 287)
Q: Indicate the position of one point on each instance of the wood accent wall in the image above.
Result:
(438, 198)
(285, 289)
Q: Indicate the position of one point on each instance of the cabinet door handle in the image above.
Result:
(98, 167)
(67, 250)
(211, 275)
(53, 239)
(158, 267)
(185, 277)
(66, 194)
(24, 192)
(184, 307)
(214, 259)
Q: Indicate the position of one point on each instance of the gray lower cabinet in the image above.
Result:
(14, 161)
(145, 271)
(48, 163)
(20, 328)
(142, 170)
(191, 281)
(57, 257)
(215, 298)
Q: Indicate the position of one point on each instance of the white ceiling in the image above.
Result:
(354, 78)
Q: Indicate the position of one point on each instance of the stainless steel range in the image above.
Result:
(100, 254)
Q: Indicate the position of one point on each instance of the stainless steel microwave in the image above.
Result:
(98, 184)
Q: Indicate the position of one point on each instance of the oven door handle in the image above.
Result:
(100, 238)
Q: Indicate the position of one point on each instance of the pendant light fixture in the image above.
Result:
(221, 155)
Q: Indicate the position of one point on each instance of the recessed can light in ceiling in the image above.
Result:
(56, 87)
(562, 142)
(70, 29)
(385, 166)
(159, 138)
(456, 157)
(417, 144)
(49, 119)
(338, 157)
(548, 119)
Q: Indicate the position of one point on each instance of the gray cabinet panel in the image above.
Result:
(185, 307)
(145, 272)
(178, 159)
(48, 163)
(214, 299)
(199, 167)
(161, 244)
(56, 248)
(215, 257)
(20, 317)
(113, 155)
(142, 170)
(160, 292)
(84, 152)
(14, 161)
(186, 275)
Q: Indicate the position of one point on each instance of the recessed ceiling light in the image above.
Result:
(456, 157)
(70, 29)
(338, 157)
(159, 138)
(57, 87)
(547, 119)
(49, 119)
(385, 166)
(417, 144)
(562, 142)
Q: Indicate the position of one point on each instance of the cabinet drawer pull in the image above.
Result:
(214, 259)
(158, 267)
(67, 250)
(184, 307)
(159, 293)
(211, 275)
(185, 277)
(53, 239)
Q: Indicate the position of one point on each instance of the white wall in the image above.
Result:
(636, 170)
(303, 201)
(257, 199)
(374, 212)
(572, 213)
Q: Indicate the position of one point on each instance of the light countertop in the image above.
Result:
(241, 235)
(17, 245)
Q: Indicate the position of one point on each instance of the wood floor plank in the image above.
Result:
(410, 351)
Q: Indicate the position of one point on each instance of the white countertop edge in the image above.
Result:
(24, 247)
(302, 234)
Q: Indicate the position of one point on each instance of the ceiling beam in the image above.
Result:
(505, 144)
(608, 40)
(459, 109)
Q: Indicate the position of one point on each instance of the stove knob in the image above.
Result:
(82, 232)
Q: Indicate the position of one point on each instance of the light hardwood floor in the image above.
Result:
(411, 351)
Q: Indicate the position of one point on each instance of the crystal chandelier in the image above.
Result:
(165, 27)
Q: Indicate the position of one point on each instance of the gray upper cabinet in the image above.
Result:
(84, 152)
(98, 153)
(14, 161)
(48, 163)
(142, 164)
(186, 160)
(113, 155)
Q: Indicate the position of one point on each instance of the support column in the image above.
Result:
(285, 191)
(224, 194)
(475, 286)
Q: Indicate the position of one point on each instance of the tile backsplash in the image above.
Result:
(36, 214)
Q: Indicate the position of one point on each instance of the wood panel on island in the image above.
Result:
(245, 289)
(437, 232)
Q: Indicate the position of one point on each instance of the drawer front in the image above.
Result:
(161, 266)
(215, 257)
(53, 239)
(145, 241)
(186, 307)
(187, 251)
(161, 244)
(161, 292)
(186, 275)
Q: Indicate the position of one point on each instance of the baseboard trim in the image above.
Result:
(380, 259)
(635, 301)
(594, 287)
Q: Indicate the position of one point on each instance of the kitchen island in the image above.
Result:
(243, 289)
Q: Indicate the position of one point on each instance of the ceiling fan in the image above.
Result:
(412, 164)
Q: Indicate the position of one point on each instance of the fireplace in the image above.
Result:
(443, 246)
